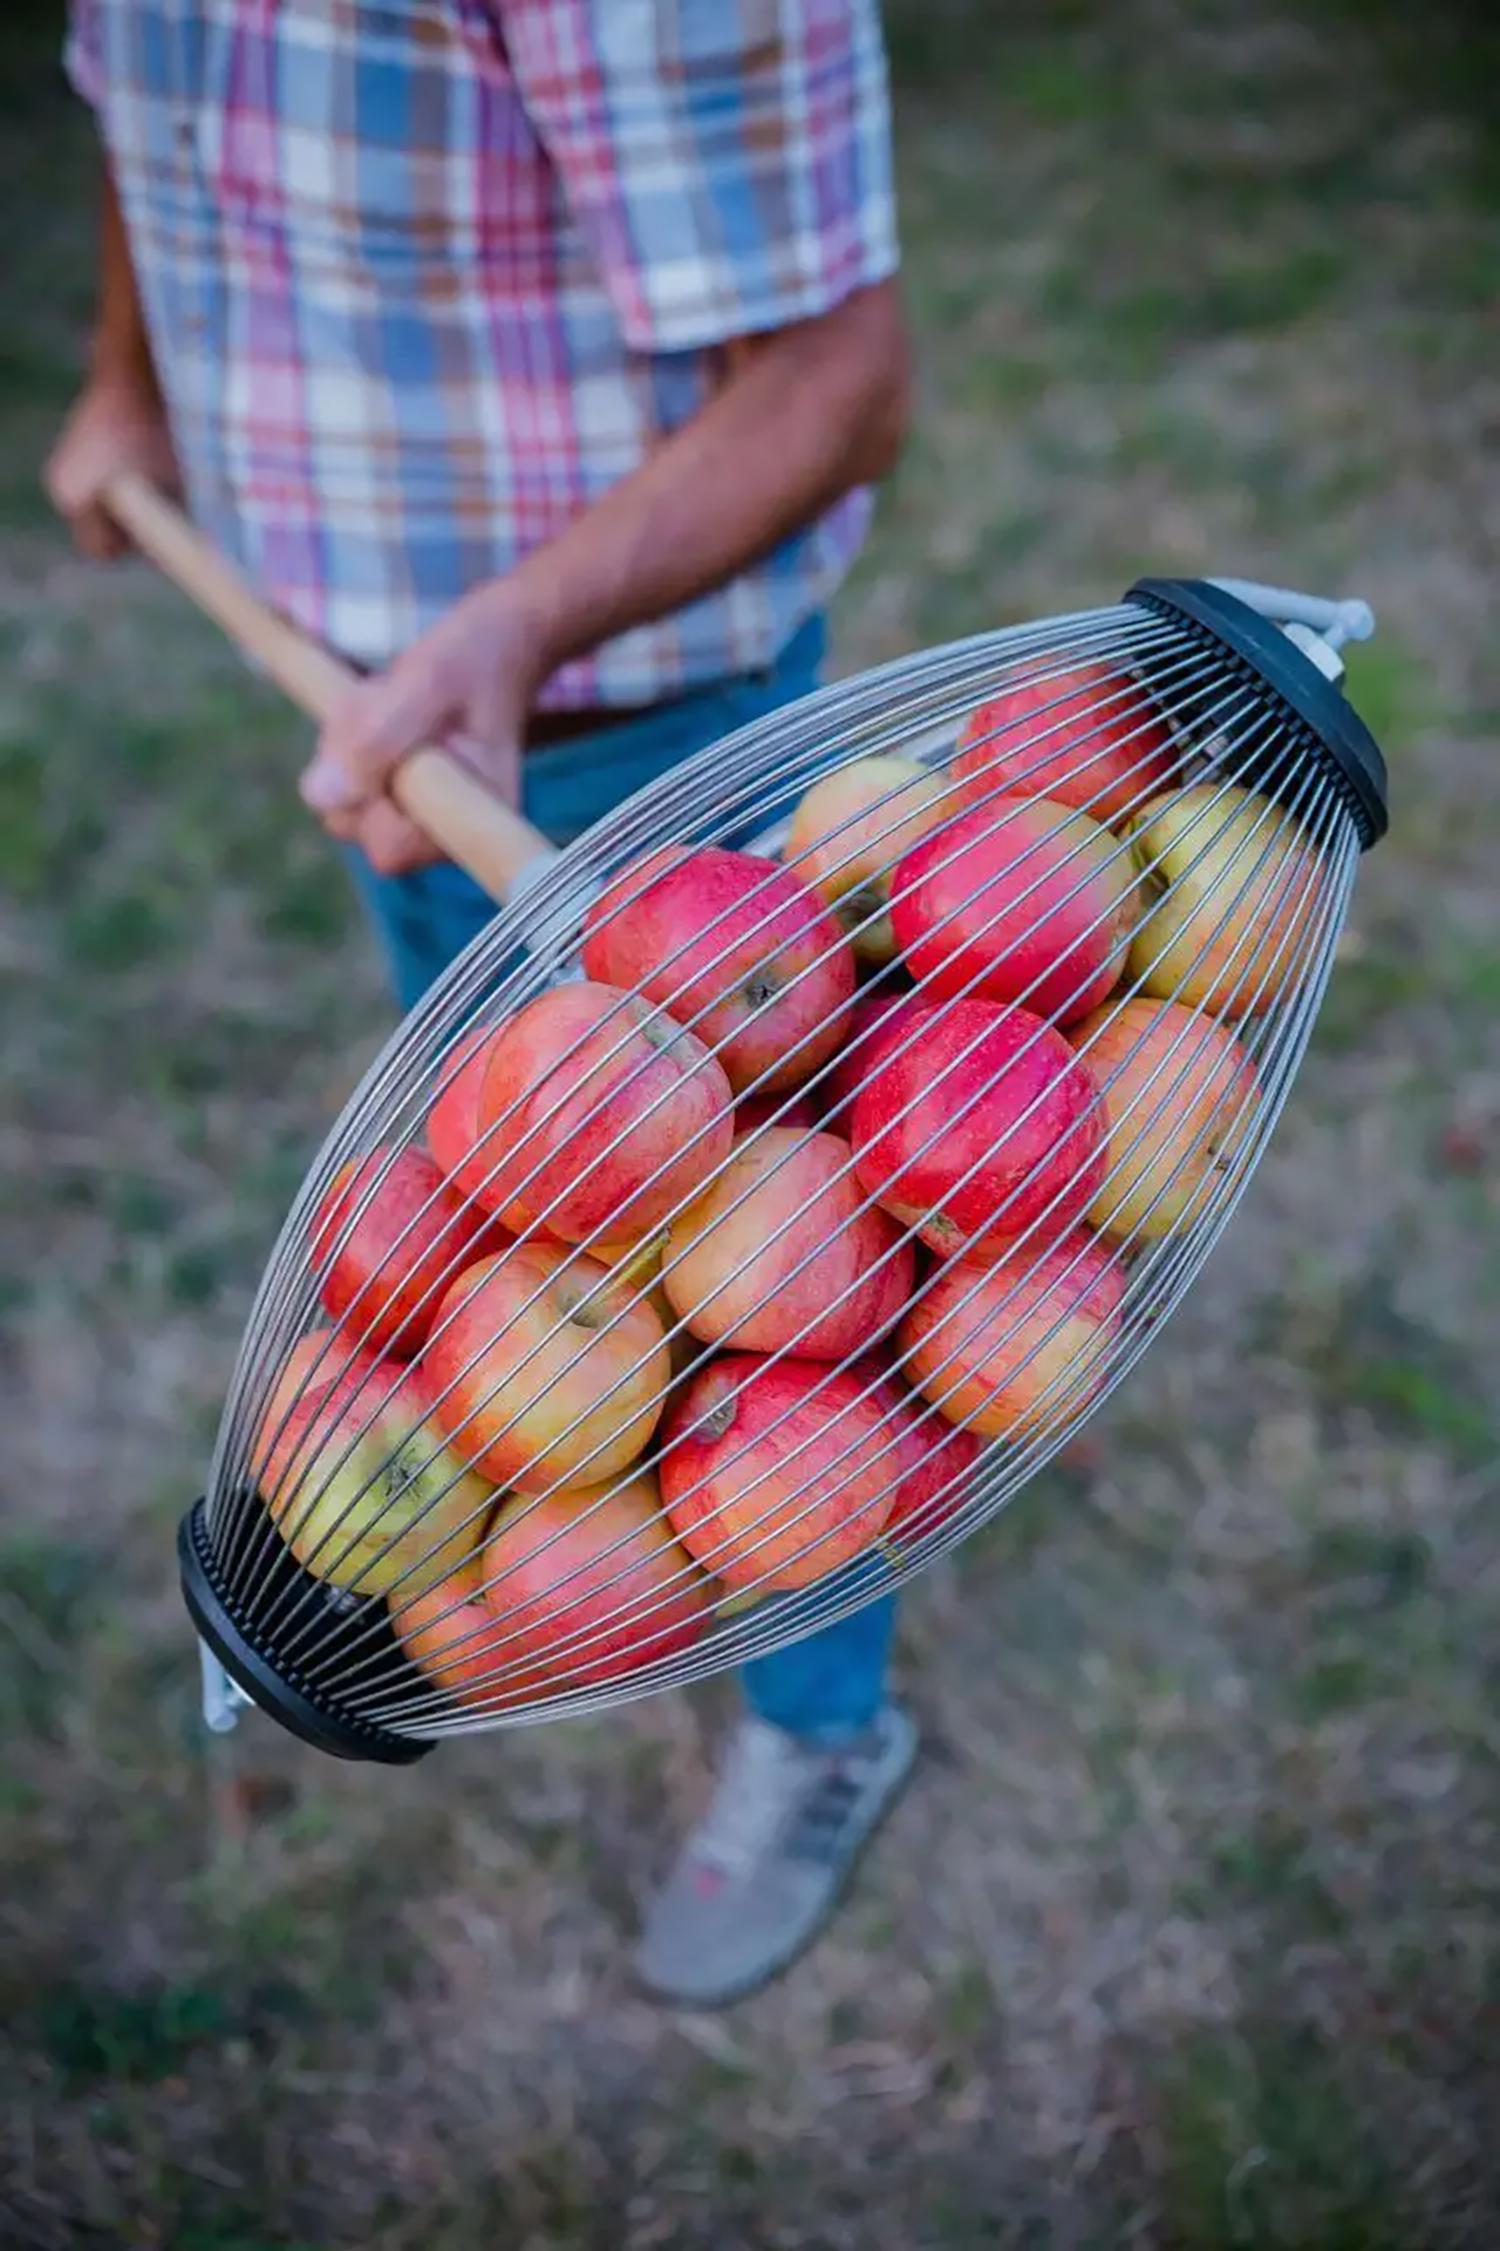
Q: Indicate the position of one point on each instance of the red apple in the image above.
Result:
(453, 1120)
(936, 1466)
(601, 1114)
(784, 1251)
(412, 1235)
(850, 830)
(546, 1369)
(1179, 1095)
(755, 1110)
(1017, 900)
(874, 1026)
(775, 1472)
(356, 1474)
(735, 947)
(1082, 733)
(1018, 1348)
(983, 1124)
(571, 1589)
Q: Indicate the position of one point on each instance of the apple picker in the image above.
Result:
(793, 1165)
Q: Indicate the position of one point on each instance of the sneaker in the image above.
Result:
(762, 1872)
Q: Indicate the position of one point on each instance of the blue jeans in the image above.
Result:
(833, 1683)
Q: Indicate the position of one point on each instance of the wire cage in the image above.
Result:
(786, 1174)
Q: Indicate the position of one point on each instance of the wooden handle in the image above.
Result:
(468, 821)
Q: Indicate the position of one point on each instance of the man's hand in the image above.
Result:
(117, 423)
(467, 685)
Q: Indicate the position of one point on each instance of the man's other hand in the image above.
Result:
(116, 424)
(467, 685)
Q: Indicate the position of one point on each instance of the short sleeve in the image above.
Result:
(82, 59)
(727, 161)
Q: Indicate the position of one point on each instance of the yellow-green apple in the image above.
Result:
(601, 1113)
(777, 1471)
(453, 1120)
(357, 1475)
(546, 1369)
(1022, 900)
(1021, 1347)
(981, 1125)
(1179, 1095)
(783, 1251)
(1081, 733)
(1232, 887)
(850, 830)
(737, 948)
(571, 1589)
(388, 1238)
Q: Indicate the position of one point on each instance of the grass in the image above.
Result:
(1189, 1934)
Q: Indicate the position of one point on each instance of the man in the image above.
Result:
(535, 354)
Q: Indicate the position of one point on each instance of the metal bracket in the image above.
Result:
(223, 1697)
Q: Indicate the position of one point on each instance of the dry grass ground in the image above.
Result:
(1189, 1933)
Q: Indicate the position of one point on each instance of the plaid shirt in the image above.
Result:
(424, 278)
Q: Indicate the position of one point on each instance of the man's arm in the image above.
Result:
(118, 421)
(804, 414)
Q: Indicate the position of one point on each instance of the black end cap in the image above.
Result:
(1352, 755)
(212, 1612)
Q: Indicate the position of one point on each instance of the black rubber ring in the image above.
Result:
(313, 1720)
(1350, 752)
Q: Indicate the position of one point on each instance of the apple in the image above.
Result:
(874, 1025)
(453, 1120)
(755, 1110)
(408, 1235)
(1179, 1093)
(356, 1474)
(601, 1113)
(1018, 900)
(571, 1589)
(737, 948)
(850, 830)
(1233, 885)
(546, 1369)
(776, 1472)
(1080, 733)
(984, 1124)
(1014, 1349)
(783, 1251)
(935, 1467)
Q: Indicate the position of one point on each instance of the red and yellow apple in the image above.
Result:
(737, 948)
(775, 1472)
(1021, 900)
(570, 1589)
(983, 1124)
(1232, 887)
(546, 1369)
(1082, 733)
(1179, 1095)
(783, 1251)
(600, 1113)
(357, 1474)
(850, 830)
(453, 1120)
(388, 1238)
(1015, 1349)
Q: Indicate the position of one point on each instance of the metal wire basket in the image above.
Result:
(786, 1174)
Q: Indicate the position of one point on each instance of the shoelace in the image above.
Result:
(774, 1792)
